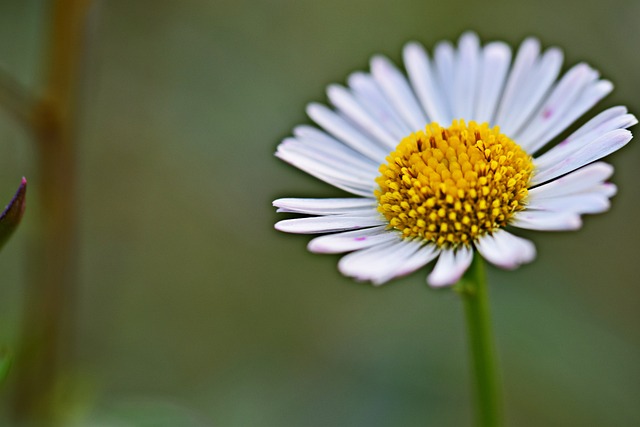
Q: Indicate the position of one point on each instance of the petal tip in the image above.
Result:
(317, 247)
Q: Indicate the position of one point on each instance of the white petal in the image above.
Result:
(506, 250)
(522, 66)
(444, 59)
(489, 249)
(576, 182)
(331, 179)
(589, 97)
(552, 111)
(607, 189)
(347, 104)
(410, 260)
(398, 91)
(548, 221)
(371, 97)
(592, 130)
(466, 76)
(351, 240)
(450, 267)
(586, 203)
(496, 58)
(333, 161)
(356, 182)
(599, 120)
(328, 224)
(421, 257)
(538, 81)
(378, 263)
(323, 206)
(425, 83)
(314, 143)
(595, 150)
(346, 132)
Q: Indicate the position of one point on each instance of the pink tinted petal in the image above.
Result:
(553, 110)
(352, 240)
(595, 150)
(327, 224)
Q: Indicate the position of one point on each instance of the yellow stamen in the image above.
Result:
(450, 186)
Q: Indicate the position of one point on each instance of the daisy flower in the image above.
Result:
(449, 158)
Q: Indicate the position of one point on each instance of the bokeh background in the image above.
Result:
(192, 311)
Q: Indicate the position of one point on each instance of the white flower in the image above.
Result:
(428, 190)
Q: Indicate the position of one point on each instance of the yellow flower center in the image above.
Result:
(451, 186)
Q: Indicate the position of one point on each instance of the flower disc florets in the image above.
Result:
(450, 186)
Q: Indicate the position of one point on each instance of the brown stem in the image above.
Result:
(46, 335)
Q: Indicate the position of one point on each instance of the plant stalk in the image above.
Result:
(46, 336)
(473, 289)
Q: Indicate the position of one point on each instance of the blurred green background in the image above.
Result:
(192, 310)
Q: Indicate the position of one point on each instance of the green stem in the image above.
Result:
(474, 292)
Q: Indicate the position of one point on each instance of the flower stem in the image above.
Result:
(474, 292)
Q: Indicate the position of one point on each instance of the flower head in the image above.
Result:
(444, 160)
